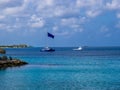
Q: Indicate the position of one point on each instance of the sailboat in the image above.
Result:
(48, 49)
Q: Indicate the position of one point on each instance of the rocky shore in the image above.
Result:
(11, 63)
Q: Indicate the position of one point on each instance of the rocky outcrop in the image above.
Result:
(11, 63)
(2, 51)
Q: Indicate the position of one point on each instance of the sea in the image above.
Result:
(92, 68)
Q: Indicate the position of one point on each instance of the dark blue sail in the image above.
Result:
(50, 35)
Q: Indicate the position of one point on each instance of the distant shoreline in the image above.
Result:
(15, 46)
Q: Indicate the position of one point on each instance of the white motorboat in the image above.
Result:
(78, 49)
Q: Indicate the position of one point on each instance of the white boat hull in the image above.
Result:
(78, 49)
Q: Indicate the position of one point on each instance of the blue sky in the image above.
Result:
(73, 22)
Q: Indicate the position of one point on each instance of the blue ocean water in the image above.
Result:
(93, 68)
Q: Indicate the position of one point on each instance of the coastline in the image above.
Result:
(15, 46)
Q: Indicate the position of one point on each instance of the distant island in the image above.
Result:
(15, 46)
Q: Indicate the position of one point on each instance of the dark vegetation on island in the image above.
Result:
(6, 61)
(15, 46)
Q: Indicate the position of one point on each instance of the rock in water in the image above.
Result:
(11, 63)
(2, 51)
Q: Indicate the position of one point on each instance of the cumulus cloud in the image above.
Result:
(56, 31)
(55, 28)
(74, 23)
(60, 8)
(70, 14)
(93, 13)
(2, 26)
(2, 17)
(89, 3)
(69, 21)
(15, 9)
(36, 22)
(4, 1)
(114, 4)
(45, 3)
(118, 15)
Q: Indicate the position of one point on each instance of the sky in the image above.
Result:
(73, 22)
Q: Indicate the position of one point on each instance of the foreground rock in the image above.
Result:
(11, 63)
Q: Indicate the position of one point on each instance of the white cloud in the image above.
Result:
(36, 22)
(69, 21)
(49, 2)
(93, 13)
(70, 14)
(55, 28)
(73, 22)
(72, 25)
(92, 8)
(44, 3)
(6, 27)
(54, 8)
(114, 4)
(2, 17)
(89, 3)
(4, 1)
(12, 10)
(59, 11)
(2, 25)
(118, 15)
(16, 9)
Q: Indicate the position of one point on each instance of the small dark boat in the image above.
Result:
(47, 49)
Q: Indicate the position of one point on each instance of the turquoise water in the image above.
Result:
(64, 69)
